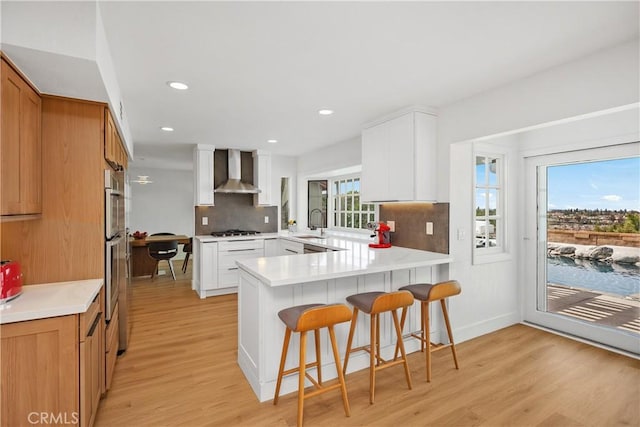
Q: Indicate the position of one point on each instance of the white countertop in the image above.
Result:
(353, 258)
(50, 300)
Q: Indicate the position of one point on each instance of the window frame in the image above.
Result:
(488, 253)
(334, 212)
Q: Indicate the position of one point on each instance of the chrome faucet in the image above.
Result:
(311, 225)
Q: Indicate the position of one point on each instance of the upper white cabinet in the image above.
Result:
(203, 174)
(262, 177)
(399, 158)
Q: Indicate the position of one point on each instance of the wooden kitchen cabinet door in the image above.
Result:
(20, 145)
(114, 150)
(39, 372)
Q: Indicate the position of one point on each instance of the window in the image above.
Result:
(317, 203)
(489, 203)
(348, 212)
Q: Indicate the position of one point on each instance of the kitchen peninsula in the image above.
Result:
(270, 284)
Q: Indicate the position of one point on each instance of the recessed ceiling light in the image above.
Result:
(167, 128)
(272, 141)
(325, 112)
(178, 85)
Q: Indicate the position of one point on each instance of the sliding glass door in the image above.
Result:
(582, 240)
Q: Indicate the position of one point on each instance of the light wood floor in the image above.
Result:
(181, 370)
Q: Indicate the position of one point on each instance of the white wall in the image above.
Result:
(63, 50)
(166, 205)
(491, 296)
(336, 156)
(597, 82)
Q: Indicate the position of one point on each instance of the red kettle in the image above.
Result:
(382, 232)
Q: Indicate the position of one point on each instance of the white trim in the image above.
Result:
(500, 252)
(534, 245)
(558, 122)
(582, 340)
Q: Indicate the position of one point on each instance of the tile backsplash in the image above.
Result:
(410, 224)
(236, 211)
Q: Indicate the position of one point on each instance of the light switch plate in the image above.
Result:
(461, 234)
(205, 220)
(392, 225)
(266, 219)
(429, 228)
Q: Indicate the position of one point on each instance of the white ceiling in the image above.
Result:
(262, 70)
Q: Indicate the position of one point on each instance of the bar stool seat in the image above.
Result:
(375, 303)
(312, 317)
(427, 293)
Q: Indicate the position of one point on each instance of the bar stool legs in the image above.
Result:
(303, 319)
(427, 293)
(374, 303)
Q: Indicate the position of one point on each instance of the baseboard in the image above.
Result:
(474, 330)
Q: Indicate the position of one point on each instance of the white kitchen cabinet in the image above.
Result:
(271, 247)
(289, 247)
(215, 269)
(203, 175)
(208, 267)
(399, 158)
(262, 177)
(231, 251)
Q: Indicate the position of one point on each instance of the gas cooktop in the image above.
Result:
(234, 232)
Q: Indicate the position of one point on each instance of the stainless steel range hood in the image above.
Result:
(233, 183)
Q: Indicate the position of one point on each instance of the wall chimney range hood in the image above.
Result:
(233, 183)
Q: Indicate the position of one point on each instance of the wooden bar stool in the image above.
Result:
(427, 293)
(374, 303)
(312, 317)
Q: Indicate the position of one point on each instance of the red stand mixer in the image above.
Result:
(382, 232)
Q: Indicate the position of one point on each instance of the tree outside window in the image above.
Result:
(348, 212)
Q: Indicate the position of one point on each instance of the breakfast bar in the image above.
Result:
(268, 285)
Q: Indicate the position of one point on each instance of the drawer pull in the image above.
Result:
(95, 325)
(232, 268)
(289, 250)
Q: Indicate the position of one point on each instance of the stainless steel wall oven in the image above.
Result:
(115, 242)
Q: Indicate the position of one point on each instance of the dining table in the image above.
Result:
(141, 263)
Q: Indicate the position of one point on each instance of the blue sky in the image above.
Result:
(610, 184)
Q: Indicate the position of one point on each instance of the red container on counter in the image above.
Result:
(10, 280)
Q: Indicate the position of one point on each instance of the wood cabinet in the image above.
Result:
(112, 334)
(51, 369)
(262, 177)
(399, 159)
(114, 151)
(39, 370)
(91, 362)
(67, 242)
(20, 145)
(203, 175)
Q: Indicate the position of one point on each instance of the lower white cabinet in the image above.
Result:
(216, 272)
(271, 247)
(288, 247)
(231, 251)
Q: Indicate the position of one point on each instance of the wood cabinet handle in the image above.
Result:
(95, 325)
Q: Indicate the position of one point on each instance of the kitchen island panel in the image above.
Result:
(261, 332)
